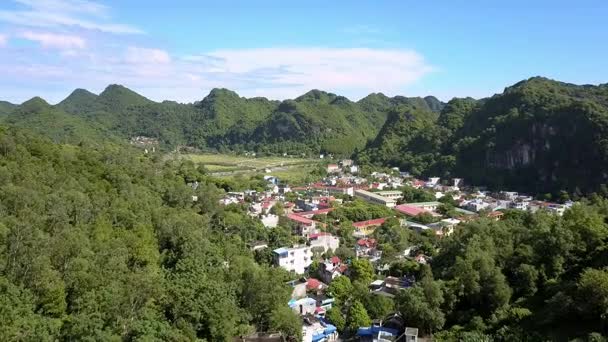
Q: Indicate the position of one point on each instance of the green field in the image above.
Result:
(292, 170)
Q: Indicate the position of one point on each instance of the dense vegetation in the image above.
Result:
(529, 277)
(100, 243)
(312, 123)
(539, 136)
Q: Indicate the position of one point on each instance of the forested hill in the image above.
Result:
(314, 122)
(104, 244)
(537, 136)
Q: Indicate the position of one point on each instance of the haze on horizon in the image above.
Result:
(277, 50)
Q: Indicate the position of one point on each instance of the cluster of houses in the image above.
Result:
(304, 214)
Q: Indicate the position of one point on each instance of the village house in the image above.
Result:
(366, 228)
(303, 306)
(367, 247)
(333, 168)
(324, 240)
(390, 286)
(331, 269)
(295, 259)
(317, 329)
(303, 226)
(375, 198)
(394, 194)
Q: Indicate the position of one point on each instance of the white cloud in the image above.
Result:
(53, 40)
(276, 73)
(82, 14)
(72, 6)
(137, 55)
(354, 71)
(3, 39)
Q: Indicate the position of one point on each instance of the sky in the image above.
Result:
(179, 50)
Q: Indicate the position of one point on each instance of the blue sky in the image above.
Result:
(179, 50)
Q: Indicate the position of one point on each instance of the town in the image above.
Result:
(384, 225)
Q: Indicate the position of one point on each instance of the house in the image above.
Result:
(310, 214)
(331, 269)
(347, 162)
(476, 205)
(389, 329)
(317, 329)
(354, 169)
(315, 285)
(303, 226)
(366, 247)
(375, 198)
(295, 259)
(324, 240)
(496, 215)
(333, 168)
(411, 334)
(432, 182)
(298, 288)
(365, 228)
(410, 210)
(270, 220)
(429, 206)
(391, 286)
(394, 194)
(444, 227)
(257, 245)
(303, 306)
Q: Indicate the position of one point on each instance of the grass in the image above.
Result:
(291, 170)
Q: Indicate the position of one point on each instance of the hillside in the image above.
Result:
(40, 117)
(538, 135)
(98, 245)
(314, 122)
(6, 107)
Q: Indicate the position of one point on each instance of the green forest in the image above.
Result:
(98, 243)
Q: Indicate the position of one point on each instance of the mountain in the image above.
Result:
(315, 122)
(6, 107)
(539, 135)
(36, 115)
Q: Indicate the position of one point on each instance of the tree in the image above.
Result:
(284, 320)
(592, 291)
(378, 307)
(335, 317)
(340, 288)
(357, 316)
(361, 270)
(420, 310)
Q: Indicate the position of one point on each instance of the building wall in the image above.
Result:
(297, 259)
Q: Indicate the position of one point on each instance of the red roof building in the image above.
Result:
(369, 223)
(410, 210)
(302, 220)
(367, 243)
(310, 214)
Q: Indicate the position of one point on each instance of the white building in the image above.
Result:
(375, 198)
(394, 194)
(270, 220)
(324, 240)
(295, 259)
